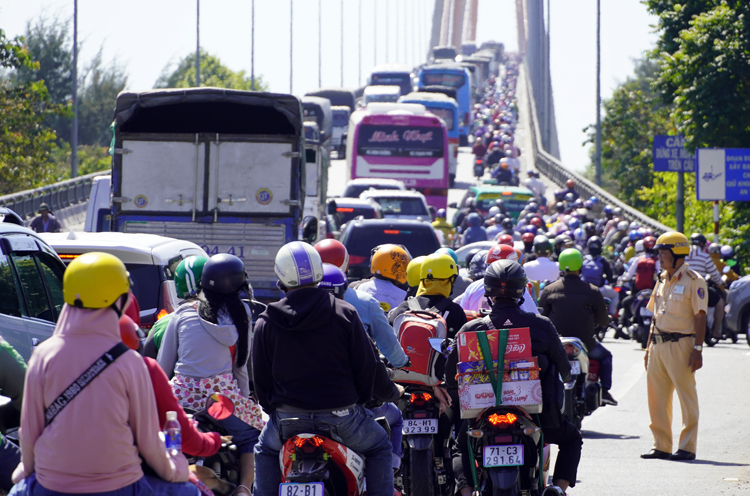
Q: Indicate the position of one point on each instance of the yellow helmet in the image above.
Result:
(414, 271)
(95, 280)
(676, 242)
(438, 266)
(390, 262)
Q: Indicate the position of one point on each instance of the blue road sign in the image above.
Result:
(723, 174)
(670, 155)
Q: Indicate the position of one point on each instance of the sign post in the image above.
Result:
(723, 175)
(670, 156)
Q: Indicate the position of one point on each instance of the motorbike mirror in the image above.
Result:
(219, 406)
(436, 344)
(453, 205)
(726, 269)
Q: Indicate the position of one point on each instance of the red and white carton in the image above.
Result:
(518, 346)
(476, 397)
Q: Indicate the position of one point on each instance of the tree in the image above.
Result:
(97, 101)
(213, 73)
(26, 142)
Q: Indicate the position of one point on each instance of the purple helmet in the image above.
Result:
(334, 280)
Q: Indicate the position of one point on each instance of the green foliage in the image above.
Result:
(91, 158)
(97, 102)
(25, 141)
(213, 73)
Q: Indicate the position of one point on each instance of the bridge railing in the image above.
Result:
(58, 196)
(558, 173)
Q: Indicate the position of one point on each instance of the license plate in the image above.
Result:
(509, 455)
(420, 426)
(575, 367)
(645, 311)
(306, 489)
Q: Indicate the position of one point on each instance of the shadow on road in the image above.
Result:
(605, 435)
(718, 464)
(462, 185)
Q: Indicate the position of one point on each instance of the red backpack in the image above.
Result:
(644, 273)
(414, 328)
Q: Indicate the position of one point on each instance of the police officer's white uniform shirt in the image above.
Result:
(542, 269)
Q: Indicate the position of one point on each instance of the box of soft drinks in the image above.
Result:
(518, 345)
(524, 369)
(476, 397)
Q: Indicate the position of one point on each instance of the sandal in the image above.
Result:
(243, 490)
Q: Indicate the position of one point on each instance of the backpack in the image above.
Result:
(413, 330)
(593, 270)
(644, 273)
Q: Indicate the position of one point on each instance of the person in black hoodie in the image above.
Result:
(313, 360)
(505, 284)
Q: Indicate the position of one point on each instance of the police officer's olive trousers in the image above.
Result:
(668, 371)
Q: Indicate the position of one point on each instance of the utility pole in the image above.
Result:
(74, 129)
(359, 59)
(320, 44)
(291, 45)
(198, 43)
(598, 150)
(375, 34)
(342, 44)
(252, 45)
(680, 206)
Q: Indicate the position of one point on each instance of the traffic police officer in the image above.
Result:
(679, 303)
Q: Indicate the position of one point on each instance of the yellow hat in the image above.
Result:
(95, 280)
(676, 242)
(438, 266)
(414, 271)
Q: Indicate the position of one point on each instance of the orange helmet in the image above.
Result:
(129, 333)
(390, 262)
(570, 184)
(505, 239)
(333, 252)
(501, 252)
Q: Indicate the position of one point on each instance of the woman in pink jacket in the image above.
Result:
(90, 442)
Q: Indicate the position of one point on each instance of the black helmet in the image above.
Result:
(589, 228)
(594, 244)
(498, 219)
(560, 242)
(697, 239)
(223, 273)
(559, 207)
(470, 254)
(507, 223)
(505, 279)
(570, 198)
(542, 246)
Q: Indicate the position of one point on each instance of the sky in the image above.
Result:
(148, 35)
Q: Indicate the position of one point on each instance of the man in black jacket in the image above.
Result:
(576, 308)
(505, 284)
(313, 360)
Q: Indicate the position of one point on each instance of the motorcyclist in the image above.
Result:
(496, 227)
(570, 189)
(576, 308)
(505, 285)
(528, 244)
(413, 271)
(602, 222)
(714, 251)
(536, 186)
(643, 271)
(597, 271)
(542, 269)
(479, 149)
(475, 232)
(615, 237)
(313, 367)
(727, 254)
(502, 174)
(12, 373)
(458, 219)
(509, 228)
(388, 267)
(196, 353)
(699, 261)
(441, 224)
(494, 154)
(117, 405)
(371, 313)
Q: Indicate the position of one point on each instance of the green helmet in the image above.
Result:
(187, 276)
(570, 260)
(449, 252)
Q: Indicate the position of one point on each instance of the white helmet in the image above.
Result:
(639, 246)
(622, 225)
(493, 211)
(298, 264)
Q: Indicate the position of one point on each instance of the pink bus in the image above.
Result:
(400, 141)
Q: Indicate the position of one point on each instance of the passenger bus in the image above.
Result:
(447, 109)
(400, 141)
(391, 74)
(457, 77)
(380, 94)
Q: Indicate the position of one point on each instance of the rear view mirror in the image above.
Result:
(310, 229)
(453, 205)
(436, 344)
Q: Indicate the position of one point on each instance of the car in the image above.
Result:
(514, 198)
(151, 261)
(464, 250)
(737, 316)
(9, 216)
(400, 204)
(347, 209)
(362, 235)
(355, 187)
(31, 296)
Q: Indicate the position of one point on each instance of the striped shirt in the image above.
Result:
(701, 262)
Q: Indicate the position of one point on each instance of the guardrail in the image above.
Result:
(57, 196)
(558, 173)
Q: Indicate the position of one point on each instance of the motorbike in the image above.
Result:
(726, 333)
(583, 393)
(479, 167)
(642, 316)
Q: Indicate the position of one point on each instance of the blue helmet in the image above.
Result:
(634, 235)
(594, 200)
(609, 209)
(334, 281)
(478, 265)
(440, 213)
(449, 251)
(574, 224)
(588, 204)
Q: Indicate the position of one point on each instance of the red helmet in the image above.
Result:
(501, 252)
(505, 239)
(570, 184)
(333, 252)
(128, 333)
(537, 221)
(649, 242)
(527, 238)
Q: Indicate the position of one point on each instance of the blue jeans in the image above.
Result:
(145, 486)
(10, 456)
(357, 430)
(604, 357)
(393, 415)
(244, 436)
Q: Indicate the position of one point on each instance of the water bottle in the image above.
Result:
(172, 434)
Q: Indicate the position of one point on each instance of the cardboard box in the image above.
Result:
(518, 346)
(476, 397)
(515, 370)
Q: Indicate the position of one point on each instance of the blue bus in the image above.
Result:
(459, 78)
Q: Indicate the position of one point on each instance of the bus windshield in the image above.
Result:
(446, 114)
(400, 141)
(450, 79)
(340, 118)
